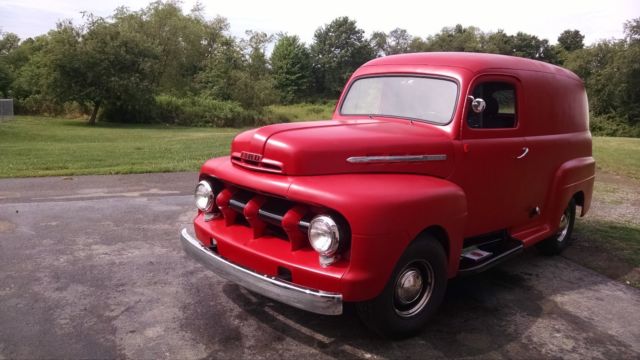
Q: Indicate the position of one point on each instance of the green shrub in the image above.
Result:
(37, 104)
(202, 111)
(612, 125)
(301, 112)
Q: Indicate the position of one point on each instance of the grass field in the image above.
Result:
(37, 146)
(623, 239)
(618, 155)
(610, 247)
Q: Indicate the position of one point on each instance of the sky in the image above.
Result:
(596, 19)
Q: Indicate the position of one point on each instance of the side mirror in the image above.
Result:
(477, 104)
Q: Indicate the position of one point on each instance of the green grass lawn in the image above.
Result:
(38, 146)
(609, 247)
(618, 155)
(622, 239)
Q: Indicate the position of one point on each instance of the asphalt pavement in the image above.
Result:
(92, 267)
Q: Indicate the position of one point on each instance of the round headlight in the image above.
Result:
(204, 196)
(324, 235)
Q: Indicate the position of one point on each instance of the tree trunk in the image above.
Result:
(94, 114)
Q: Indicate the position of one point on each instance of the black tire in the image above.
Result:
(393, 314)
(562, 238)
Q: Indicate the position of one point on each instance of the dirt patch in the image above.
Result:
(607, 239)
(615, 198)
(614, 179)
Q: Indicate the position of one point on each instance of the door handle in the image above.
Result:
(525, 151)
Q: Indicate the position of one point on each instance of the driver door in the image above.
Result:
(493, 169)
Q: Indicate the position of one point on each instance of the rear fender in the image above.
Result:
(572, 177)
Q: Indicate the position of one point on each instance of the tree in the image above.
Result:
(255, 47)
(291, 67)
(5, 79)
(530, 46)
(611, 73)
(398, 41)
(418, 44)
(337, 50)
(101, 63)
(253, 86)
(9, 42)
(224, 57)
(175, 37)
(379, 42)
(238, 71)
(498, 43)
(632, 30)
(457, 38)
(571, 40)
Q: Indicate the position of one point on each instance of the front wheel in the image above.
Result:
(562, 238)
(412, 294)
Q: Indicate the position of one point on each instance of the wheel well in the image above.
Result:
(440, 234)
(579, 198)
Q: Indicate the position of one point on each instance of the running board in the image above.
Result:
(483, 256)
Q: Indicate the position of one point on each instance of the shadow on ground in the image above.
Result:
(487, 315)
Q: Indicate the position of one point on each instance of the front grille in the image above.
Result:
(265, 215)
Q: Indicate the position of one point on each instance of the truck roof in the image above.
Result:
(474, 62)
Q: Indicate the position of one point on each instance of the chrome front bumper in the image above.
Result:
(312, 300)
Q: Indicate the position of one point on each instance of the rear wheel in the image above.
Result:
(412, 294)
(562, 238)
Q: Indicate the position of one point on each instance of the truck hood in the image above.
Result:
(340, 147)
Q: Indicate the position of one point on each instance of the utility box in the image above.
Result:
(6, 109)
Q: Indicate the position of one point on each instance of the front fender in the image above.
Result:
(386, 212)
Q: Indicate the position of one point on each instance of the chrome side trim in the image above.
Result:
(317, 301)
(401, 158)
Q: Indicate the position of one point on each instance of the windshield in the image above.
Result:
(411, 97)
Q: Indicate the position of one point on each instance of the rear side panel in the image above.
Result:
(559, 163)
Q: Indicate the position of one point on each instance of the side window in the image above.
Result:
(500, 112)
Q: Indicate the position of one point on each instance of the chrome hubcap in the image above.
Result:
(409, 286)
(564, 227)
(413, 288)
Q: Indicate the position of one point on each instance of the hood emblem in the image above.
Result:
(402, 158)
(250, 156)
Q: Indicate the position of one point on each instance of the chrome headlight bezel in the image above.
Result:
(204, 196)
(324, 235)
